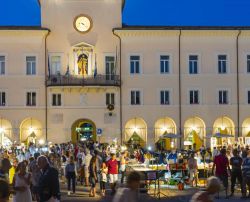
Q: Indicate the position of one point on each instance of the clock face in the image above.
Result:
(83, 23)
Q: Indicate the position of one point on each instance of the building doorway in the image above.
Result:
(83, 130)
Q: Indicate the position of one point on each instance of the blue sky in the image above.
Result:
(187, 12)
(20, 13)
(147, 13)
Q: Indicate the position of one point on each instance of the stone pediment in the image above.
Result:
(76, 39)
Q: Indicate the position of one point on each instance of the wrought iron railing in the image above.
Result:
(98, 80)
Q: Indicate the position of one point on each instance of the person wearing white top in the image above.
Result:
(86, 167)
(21, 183)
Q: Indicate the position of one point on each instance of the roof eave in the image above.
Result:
(139, 27)
(24, 28)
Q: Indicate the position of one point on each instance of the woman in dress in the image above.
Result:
(21, 183)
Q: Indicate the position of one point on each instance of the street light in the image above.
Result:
(2, 130)
(41, 142)
(194, 128)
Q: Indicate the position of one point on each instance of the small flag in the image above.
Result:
(67, 71)
(116, 61)
(95, 71)
(48, 66)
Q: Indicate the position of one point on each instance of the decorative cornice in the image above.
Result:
(175, 32)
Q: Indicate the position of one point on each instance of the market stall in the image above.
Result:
(219, 140)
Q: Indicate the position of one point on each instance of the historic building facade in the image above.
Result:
(83, 75)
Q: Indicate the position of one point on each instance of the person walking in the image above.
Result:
(70, 174)
(35, 176)
(236, 162)
(112, 165)
(246, 174)
(93, 176)
(123, 166)
(221, 163)
(103, 180)
(49, 188)
(87, 160)
(192, 167)
(21, 184)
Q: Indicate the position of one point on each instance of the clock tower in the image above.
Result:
(83, 67)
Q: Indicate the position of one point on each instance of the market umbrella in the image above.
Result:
(220, 135)
(170, 135)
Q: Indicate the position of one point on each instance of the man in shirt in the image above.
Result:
(48, 186)
(112, 165)
(87, 160)
(246, 174)
(35, 177)
(4, 169)
(222, 164)
(236, 162)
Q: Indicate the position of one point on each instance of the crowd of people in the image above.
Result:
(35, 174)
(228, 163)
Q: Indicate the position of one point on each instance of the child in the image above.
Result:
(104, 172)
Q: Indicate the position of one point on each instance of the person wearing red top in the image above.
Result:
(221, 163)
(112, 165)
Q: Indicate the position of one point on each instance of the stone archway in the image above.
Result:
(6, 136)
(163, 126)
(246, 131)
(194, 132)
(31, 131)
(136, 132)
(83, 130)
(225, 126)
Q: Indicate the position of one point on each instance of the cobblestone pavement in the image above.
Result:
(172, 195)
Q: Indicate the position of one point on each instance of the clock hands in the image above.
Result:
(81, 23)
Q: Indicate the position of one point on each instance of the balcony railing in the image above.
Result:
(98, 80)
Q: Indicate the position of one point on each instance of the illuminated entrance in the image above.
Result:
(83, 130)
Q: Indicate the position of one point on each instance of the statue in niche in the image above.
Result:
(82, 63)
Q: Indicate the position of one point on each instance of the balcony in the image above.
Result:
(98, 80)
